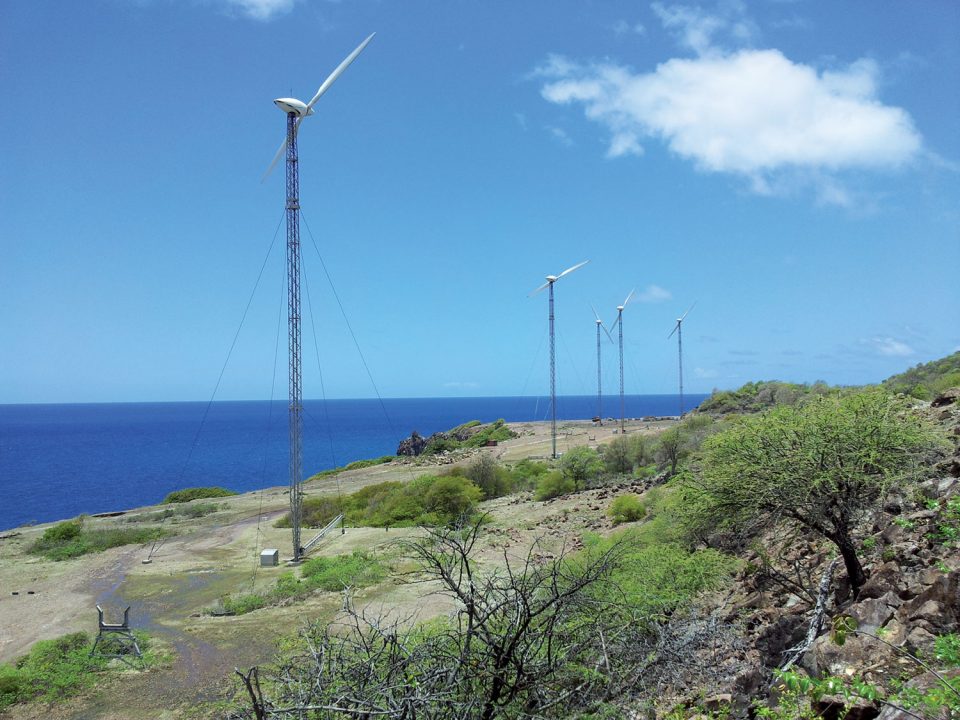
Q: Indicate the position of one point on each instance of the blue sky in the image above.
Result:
(792, 167)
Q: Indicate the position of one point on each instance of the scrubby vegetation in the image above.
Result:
(197, 493)
(355, 465)
(72, 538)
(756, 396)
(188, 511)
(627, 508)
(556, 639)
(57, 669)
(927, 380)
(331, 574)
(427, 500)
(821, 465)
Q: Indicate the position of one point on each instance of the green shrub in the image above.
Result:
(657, 578)
(552, 485)
(331, 574)
(526, 473)
(71, 539)
(197, 493)
(493, 479)
(626, 508)
(426, 500)
(336, 573)
(63, 532)
(581, 464)
(55, 669)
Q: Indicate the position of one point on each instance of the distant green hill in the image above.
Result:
(756, 396)
(928, 379)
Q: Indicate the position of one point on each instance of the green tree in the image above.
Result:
(641, 448)
(820, 466)
(618, 455)
(486, 474)
(581, 464)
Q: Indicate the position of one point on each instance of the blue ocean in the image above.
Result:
(58, 461)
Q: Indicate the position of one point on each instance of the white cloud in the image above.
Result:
(892, 347)
(705, 372)
(622, 27)
(560, 135)
(654, 294)
(262, 9)
(697, 29)
(752, 113)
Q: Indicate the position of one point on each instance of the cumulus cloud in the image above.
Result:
(698, 29)
(261, 9)
(653, 294)
(892, 347)
(752, 113)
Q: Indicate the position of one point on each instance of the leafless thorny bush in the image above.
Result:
(533, 639)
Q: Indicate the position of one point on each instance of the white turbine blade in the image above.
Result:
(538, 289)
(675, 328)
(339, 71)
(570, 270)
(276, 159)
(688, 311)
(629, 296)
(595, 314)
(609, 336)
(614, 326)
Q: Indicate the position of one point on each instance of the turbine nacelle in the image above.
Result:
(551, 278)
(294, 106)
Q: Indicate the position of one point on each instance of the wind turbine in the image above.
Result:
(296, 111)
(679, 331)
(599, 376)
(551, 279)
(618, 323)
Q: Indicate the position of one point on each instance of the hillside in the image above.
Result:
(926, 380)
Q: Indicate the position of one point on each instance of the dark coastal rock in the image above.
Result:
(412, 446)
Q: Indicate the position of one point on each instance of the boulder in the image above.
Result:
(886, 578)
(873, 613)
(937, 608)
(947, 397)
(827, 658)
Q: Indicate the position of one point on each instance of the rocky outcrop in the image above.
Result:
(412, 446)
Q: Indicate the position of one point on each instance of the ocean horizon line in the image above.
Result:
(610, 396)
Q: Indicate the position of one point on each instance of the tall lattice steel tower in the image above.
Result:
(293, 326)
(551, 279)
(296, 111)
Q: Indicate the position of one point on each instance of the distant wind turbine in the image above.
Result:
(618, 323)
(678, 329)
(551, 279)
(599, 374)
(296, 111)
